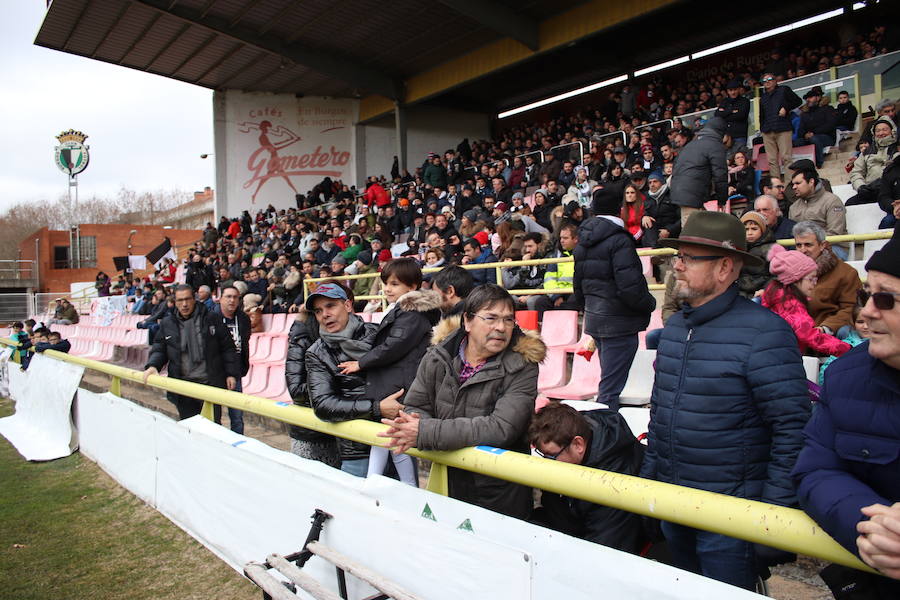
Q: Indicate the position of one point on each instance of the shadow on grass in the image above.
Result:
(67, 530)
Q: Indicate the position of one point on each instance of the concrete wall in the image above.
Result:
(429, 129)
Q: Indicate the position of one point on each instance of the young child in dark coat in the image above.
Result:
(402, 339)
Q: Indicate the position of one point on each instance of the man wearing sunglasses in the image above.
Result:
(775, 105)
(729, 401)
(848, 473)
(475, 387)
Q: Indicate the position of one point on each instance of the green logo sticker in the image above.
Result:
(427, 513)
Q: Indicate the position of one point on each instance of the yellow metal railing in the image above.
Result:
(786, 528)
(497, 266)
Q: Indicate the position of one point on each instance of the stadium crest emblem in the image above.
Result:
(72, 154)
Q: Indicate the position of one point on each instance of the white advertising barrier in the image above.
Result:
(5, 355)
(120, 436)
(41, 428)
(244, 500)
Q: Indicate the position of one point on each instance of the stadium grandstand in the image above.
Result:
(653, 240)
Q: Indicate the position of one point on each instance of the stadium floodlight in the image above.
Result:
(664, 65)
(557, 98)
(858, 5)
(772, 32)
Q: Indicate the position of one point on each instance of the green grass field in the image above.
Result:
(68, 531)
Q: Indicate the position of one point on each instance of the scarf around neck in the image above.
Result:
(343, 339)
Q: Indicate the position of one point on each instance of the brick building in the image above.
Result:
(58, 267)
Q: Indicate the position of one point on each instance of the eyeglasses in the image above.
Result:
(882, 300)
(688, 259)
(553, 456)
(492, 320)
(765, 79)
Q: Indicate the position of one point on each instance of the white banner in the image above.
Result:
(244, 500)
(5, 355)
(41, 428)
(108, 308)
(278, 146)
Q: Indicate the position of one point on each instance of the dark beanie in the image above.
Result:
(887, 260)
(365, 257)
(607, 199)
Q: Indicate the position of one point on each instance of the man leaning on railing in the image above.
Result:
(475, 386)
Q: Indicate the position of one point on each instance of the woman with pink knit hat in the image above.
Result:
(788, 296)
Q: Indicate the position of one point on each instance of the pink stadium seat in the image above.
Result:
(258, 379)
(277, 325)
(263, 346)
(254, 339)
(583, 383)
(267, 322)
(713, 205)
(540, 402)
(278, 349)
(377, 317)
(527, 319)
(366, 317)
(552, 372)
(276, 385)
(762, 159)
(560, 327)
(647, 266)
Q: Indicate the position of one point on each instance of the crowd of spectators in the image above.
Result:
(731, 292)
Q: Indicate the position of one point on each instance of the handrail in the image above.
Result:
(883, 234)
(670, 121)
(777, 526)
(578, 143)
(599, 136)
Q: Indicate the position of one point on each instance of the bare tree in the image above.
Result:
(128, 206)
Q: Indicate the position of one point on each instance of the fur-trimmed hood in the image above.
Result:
(420, 301)
(525, 342)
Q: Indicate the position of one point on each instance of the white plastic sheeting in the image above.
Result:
(41, 428)
(5, 355)
(244, 500)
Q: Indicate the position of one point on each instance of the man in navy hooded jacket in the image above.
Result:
(848, 473)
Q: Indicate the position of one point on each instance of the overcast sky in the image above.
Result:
(146, 132)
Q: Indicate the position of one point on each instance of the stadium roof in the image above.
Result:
(481, 54)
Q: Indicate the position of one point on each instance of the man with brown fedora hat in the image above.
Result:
(729, 401)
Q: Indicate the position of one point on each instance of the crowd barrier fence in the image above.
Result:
(499, 266)
(777, 526)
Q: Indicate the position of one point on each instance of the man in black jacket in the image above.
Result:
(238, 324)
(600, 439)
(817, 124)
(610, 284)
(333, 395)
(775, 104)
(198, 274)
(735, 110)
(197, 347)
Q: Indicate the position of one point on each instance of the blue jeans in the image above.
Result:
(652, 339)
(358, 467)
(616, 355)
(235, 415)
(840, 252)
(711, 554)
(820, 141)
